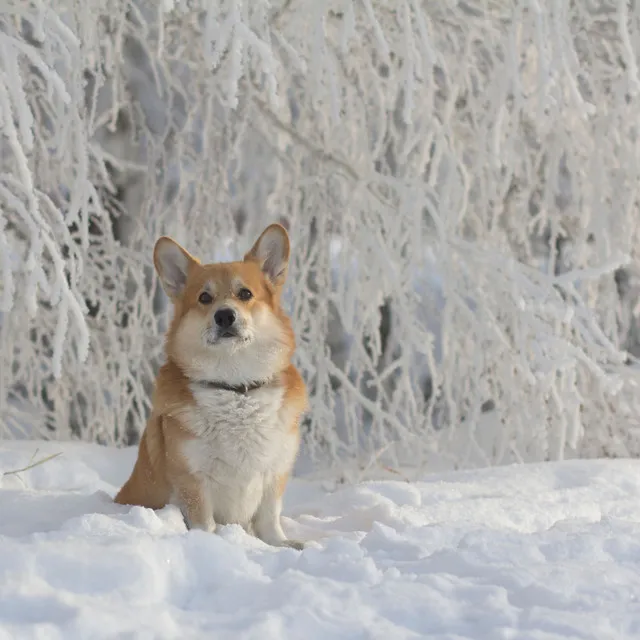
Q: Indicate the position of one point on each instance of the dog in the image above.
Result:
(224, 430)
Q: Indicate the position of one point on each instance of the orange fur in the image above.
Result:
(221, 455)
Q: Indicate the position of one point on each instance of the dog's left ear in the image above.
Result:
(271, 250)
(173, 264)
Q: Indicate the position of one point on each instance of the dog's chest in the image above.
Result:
(236, 433)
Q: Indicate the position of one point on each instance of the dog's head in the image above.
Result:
(228, 325)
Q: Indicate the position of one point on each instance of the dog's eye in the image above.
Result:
(245, 294)
(205, 298)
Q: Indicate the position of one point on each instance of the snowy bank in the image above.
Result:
(538, 551)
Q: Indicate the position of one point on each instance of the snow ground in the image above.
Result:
(537, 552)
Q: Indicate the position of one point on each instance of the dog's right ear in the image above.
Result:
(172, 263)
(271, 252)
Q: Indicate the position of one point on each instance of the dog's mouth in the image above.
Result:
(224, 336)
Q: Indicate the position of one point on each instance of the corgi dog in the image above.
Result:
(223, 434)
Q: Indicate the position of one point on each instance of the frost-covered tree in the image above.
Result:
(459, 180)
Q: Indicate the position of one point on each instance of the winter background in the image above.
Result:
(460, 182)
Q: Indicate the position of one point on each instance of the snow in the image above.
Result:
(535, 551)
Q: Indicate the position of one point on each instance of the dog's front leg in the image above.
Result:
(266, 522)
(195, 502)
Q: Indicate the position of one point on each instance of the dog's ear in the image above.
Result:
(172, 263)
(271, 251)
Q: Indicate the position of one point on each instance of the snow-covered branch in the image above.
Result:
(459, 179)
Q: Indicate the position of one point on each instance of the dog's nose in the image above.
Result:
(224, 317)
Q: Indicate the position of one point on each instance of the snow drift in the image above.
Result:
(535, 551)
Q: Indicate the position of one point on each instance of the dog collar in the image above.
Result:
(241, 389)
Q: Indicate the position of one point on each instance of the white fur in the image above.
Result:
(243, 444)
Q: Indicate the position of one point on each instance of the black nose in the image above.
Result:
(224, 317)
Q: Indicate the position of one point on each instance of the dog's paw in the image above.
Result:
(293, 544)
(209, 526)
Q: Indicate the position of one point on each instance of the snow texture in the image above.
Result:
(534, 551)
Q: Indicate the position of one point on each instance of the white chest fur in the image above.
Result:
(243, 442)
